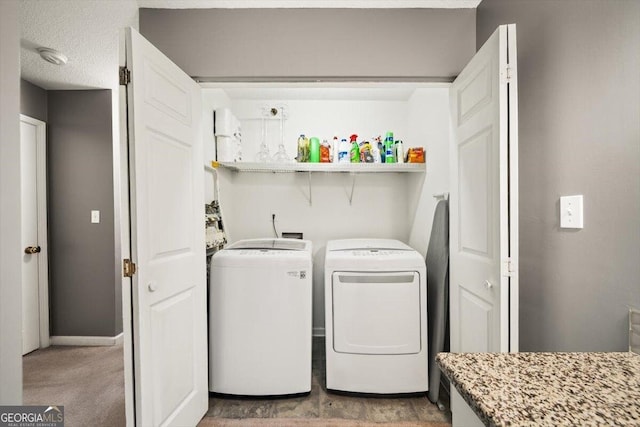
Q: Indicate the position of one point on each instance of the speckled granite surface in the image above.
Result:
(548, 389)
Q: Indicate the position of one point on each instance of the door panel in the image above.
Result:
(172, 328)
(478, 91)
(167, 209)
(483, 193)
(166, 96)
(169, 194)
(478, 315)
(475, 195)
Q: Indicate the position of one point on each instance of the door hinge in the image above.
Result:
(128, 267)
(507, 74)
(125, 76)
(508, 267)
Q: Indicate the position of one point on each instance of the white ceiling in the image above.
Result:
(87, 32)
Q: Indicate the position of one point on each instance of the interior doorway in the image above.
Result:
(35, 270)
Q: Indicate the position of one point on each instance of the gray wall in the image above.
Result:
(33, 100)
(579, 105)
(10, 258)
(266, 43)
(80, 179)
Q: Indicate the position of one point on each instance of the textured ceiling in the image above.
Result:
(87, 32)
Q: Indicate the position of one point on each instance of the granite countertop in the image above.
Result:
(547, 389)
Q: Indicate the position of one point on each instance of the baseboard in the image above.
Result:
(318, 332)
(87, 341)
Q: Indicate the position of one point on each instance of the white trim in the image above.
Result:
(318, 331)
(43, 257)
(123, 248)
(302, 4)
(514, 233)
(119, 339)
(87, 341)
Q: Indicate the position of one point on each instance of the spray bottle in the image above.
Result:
(355, 149)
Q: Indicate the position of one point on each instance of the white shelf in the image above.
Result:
(351, 168)
(324, 167)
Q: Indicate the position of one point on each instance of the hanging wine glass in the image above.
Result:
(281, 155)
(263, 153)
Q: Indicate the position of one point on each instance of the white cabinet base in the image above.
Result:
(461, 413)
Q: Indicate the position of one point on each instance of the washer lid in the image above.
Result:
(366, 244)
(273, 244)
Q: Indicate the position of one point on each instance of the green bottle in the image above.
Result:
(389, 148)
(355, 149)
(314, 150)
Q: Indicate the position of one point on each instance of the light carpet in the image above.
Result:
(87, 381)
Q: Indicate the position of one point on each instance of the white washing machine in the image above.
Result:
(375, 317)
(260, 318)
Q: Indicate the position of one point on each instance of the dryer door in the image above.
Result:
(376, 313)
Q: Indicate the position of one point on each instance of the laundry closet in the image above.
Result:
(393, 201)
(468, 129)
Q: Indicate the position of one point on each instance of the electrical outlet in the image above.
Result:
(291, 235)
(95, 217)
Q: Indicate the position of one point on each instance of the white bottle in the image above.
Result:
(343, 152)
(399, 152)
(375, 152)
(335, 144)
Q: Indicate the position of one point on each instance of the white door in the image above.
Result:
(34, 256)
(484, 202)
(166, 177)
(376, 313)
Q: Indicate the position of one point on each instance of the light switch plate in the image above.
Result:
(95, 217)
(571, 212)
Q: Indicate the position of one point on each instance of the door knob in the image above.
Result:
(152, 287)
(488, 284)
(32, 249)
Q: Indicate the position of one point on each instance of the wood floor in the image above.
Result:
(322, 405)
(89, 382)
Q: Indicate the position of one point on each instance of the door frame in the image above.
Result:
(123, 235)
(43, 258)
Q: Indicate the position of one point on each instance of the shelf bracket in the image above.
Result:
(353, 185)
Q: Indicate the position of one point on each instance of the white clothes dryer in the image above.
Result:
(375, 317)
(260, 318)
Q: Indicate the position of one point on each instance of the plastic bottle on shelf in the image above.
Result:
(343, 151)
(375, 151)
(303, 149)
(325, 152)
(335, 147)
(314, 150)
(381, 150)
(389, 155)
(355, 149)
(399, 152)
